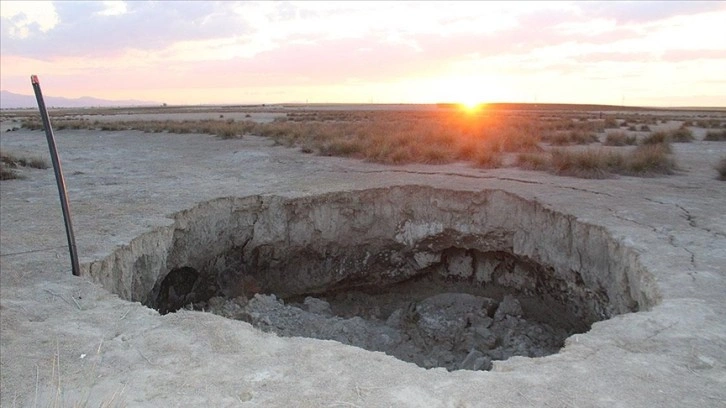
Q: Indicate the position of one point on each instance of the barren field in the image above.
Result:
(366, 256)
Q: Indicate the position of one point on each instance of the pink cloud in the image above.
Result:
(689, 55)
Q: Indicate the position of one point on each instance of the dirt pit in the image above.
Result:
(452, 330)
(435, 277)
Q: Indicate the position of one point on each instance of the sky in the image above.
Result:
(670, 53)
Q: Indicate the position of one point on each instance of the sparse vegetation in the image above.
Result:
(534, 161)
(488, 159)
(9, 162)
(649, 160)
(681, 135)
(380, 136)
(611, 123)
(589, 163)
(7, 173)
(643, 161)
(619, 138)
(438, 136)
(224, 129)
(572, 137)
(715, 136)
(656, 138)
(709, 123)
(721, 169)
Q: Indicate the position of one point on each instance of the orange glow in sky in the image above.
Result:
(634, 53)
(471, 106)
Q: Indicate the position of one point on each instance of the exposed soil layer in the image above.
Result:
(436, 277)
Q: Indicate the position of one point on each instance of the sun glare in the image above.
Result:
(471, 106)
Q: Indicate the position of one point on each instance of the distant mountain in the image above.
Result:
(10, 100)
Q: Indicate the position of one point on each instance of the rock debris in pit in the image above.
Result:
(456, 331)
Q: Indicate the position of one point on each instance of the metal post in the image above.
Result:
(58, 175)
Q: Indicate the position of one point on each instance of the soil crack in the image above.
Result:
(435, 173)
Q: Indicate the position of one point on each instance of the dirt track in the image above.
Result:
(67, 341)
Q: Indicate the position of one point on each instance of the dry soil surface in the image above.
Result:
(66, 341)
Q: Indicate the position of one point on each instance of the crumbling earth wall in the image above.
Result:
(378, 237)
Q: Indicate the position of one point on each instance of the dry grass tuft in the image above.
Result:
(715, 136)
(680, 135)
(721, 169)
(649, 160)
(9, 162)
(655, 138)
(643, 161)
(611, 123)
(589, 164)
(487, 159)
(572, 137)
(534, 161)
(7, 173)
(619, 138)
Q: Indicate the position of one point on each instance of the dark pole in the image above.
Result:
(58, 175)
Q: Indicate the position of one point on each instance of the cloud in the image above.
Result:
(113, 8)
(22, 19)
(615, 56)
(626, 12)
(95, 29)
(692, 55)
(190, 47)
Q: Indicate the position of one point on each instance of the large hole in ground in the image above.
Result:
(436, 277)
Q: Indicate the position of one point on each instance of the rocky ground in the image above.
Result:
(66, 341)
(457, 331)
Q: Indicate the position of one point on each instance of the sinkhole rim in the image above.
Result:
(416, 228)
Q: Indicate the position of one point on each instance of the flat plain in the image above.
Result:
(77, 341)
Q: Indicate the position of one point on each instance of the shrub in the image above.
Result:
(35, 162)
(611, 123)
(32, 124)
(433, 155)
(644, 161)
(572, 137)
(534, 161)
(644, 128)
(649, 160)
(709, 123)
(619, 139)
(655, 138)
(516, 140)
(342, 147)
(12, 160)
(715, 136)
(7, 173)
(487, 159)
(9, 162)
(721, 168)
(583, 164)
(681, 135)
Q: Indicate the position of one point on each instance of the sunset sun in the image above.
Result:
(471, 104)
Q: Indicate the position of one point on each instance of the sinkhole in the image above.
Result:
(436, 277)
